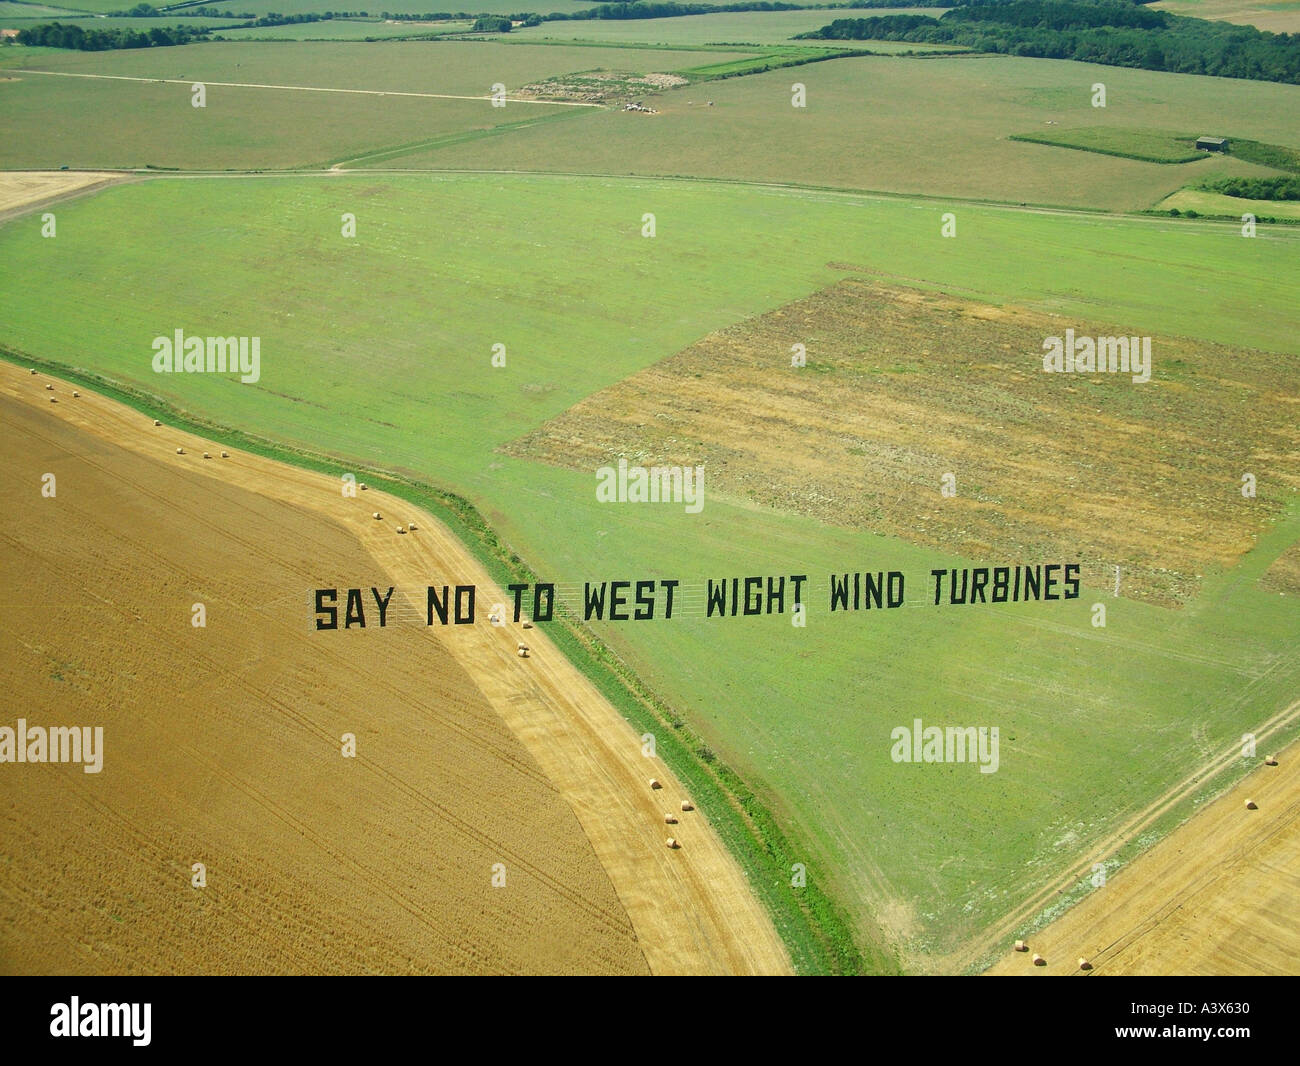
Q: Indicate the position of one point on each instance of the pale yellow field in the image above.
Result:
(22, 188)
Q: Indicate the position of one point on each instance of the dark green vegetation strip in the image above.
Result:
(771, 60)
(1266, 155)
(1112, 32)
(1280, 188)
(1147, 155)
(1153, 146)
(813, 927)
(59, 35)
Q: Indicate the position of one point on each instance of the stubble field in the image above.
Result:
(222, 745)
(448, 799)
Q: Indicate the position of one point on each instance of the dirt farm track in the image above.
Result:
(1220, 895)
(222, 742)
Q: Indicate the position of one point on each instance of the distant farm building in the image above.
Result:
(1212, 144)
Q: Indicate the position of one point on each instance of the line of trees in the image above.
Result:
(654, 9)
(1280, 188)
(1112, 32)
(58, 35)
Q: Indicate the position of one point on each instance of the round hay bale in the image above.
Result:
(378, 517)
(672, 842)
(401, 530)
(523, 651)
(33, 370)
(1251, 805)
(654, 783)
(54, 399)
(1084, 964)
(49, 388)
(76, 395)
(207, 455)
(225, 455)
(364, 486)
(410, 526)
(687, 805)
(527, 624)
(1039, 960)
(670, 819)
(180, 451)
(156, 422)
(1270, 760)
(1021, 946)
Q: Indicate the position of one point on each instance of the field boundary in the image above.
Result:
(1032, 138)
(813, 926)
(445, 140)
(334, 170)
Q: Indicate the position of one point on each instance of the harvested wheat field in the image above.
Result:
(902, 387)
(222, 743)
(1216, 897)
(24, 188)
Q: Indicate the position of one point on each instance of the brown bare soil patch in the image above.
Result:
(599, 86)
(902, 387)
(1283, 575)
(1216, 897)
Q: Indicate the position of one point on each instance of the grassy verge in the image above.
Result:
(813, 926)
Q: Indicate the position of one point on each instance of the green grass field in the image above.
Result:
(16, 16)
(1218, 205)
(842, 139)
(115, 123)
(935, 127)
(307, 7)
(378, 348)
(421, 66)
(731, 27)
(1277, 16)
(344, 30)
(21, 14)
